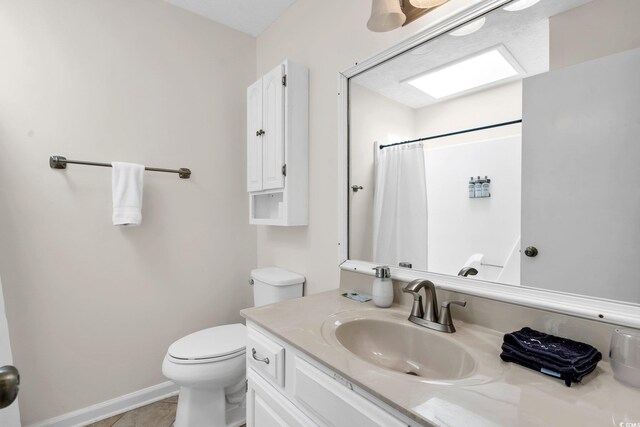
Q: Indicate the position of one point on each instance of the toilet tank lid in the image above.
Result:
(275, 276)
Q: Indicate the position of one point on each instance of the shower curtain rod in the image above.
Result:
(513, 122)
(60, 162)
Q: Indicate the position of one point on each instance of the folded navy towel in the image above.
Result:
(569, 373)
(560, 357)
(561, 350)
(551, 364)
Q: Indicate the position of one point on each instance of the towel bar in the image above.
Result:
(60, 162)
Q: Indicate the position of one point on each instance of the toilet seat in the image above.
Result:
(210, 345)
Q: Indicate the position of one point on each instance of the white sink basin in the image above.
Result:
(394, 344)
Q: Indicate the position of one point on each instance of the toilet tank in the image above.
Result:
(274, 284)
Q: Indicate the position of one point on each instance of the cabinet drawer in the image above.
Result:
(266, 357)
(335, 404)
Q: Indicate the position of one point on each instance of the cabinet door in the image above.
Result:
(273, 125)
(266, 407)
(254, 141)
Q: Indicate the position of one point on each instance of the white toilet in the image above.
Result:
(209, 365)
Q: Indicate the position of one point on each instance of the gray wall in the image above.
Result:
(92, 308)
(373, 120)
(327, 36)
(598, 28)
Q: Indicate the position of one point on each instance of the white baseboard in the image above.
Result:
(112, 407)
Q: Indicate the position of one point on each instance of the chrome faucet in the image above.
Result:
(428, 316)
(430, 311)
(467, 271)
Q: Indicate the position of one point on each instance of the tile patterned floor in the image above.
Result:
(158, 414)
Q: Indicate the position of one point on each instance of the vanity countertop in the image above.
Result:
(498, 394)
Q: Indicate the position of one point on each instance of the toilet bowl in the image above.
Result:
(209, 365)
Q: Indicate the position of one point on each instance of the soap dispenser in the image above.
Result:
(382, 287)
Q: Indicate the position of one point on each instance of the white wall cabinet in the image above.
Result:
(310, 395)
(277, 146)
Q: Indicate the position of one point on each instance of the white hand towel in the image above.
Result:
(126, 184)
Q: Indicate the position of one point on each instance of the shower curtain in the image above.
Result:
(400, 207)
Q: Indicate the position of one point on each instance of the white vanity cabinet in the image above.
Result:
(277, 146)
(268, 408)
(293, 390)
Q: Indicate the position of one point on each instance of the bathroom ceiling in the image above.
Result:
(524, 34)
(249, 16)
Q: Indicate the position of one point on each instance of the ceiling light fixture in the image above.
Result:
(472, 72)
(469, 28)
(517, 5)
(386, 15)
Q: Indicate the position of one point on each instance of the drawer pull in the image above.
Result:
(259, 359)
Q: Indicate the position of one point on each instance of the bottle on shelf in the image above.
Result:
(478, 188)
(486, 187)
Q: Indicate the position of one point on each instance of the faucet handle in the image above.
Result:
(445, 313)
(446, 304)
(416, 310)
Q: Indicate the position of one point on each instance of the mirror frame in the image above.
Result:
(602, 310)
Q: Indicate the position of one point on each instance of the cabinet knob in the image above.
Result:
(531, 251)
(259, 132)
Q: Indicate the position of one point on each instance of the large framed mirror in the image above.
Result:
(499, 154)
